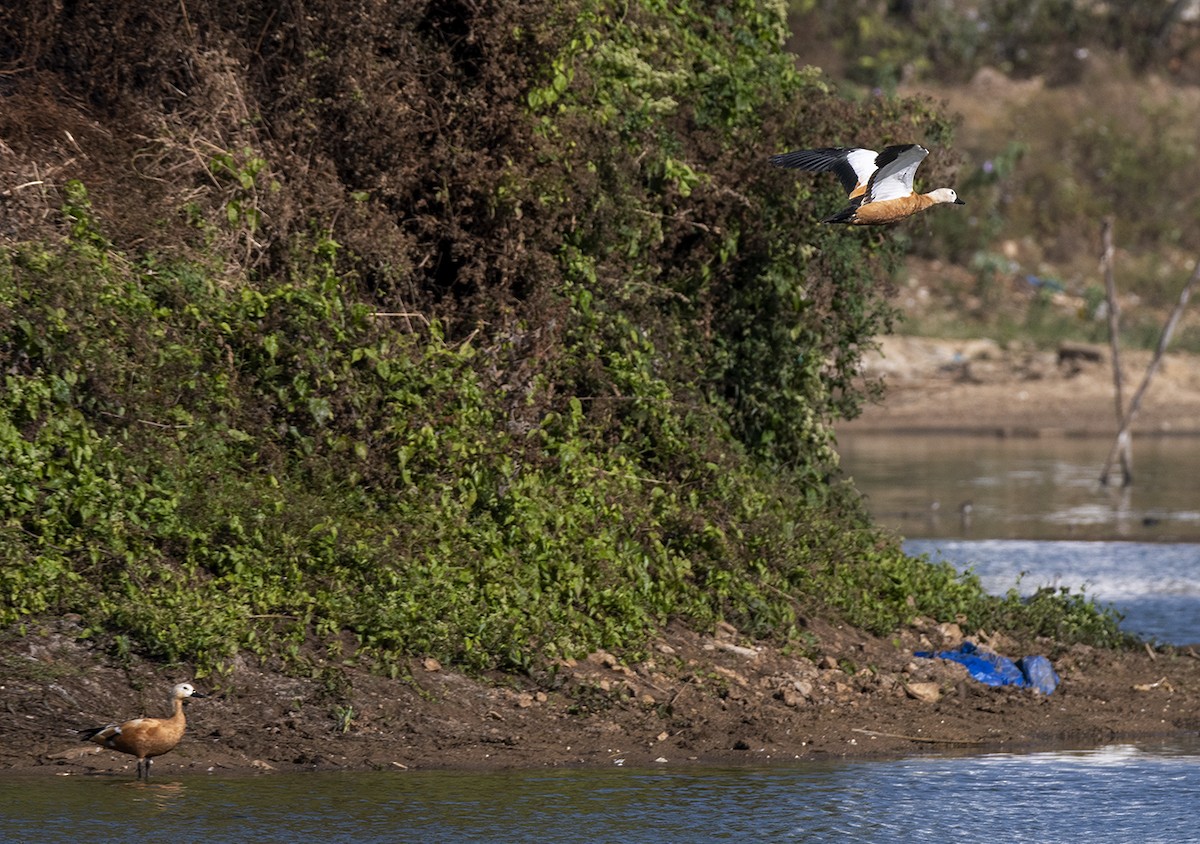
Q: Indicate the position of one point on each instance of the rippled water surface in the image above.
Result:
(1117, 793)
(1155, 586)
(1027, 513)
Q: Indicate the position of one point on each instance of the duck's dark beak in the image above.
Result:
(959, 202)
(198, 694)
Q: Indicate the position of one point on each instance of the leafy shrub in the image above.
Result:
(575, 379)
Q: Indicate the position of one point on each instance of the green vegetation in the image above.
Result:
(567, 376)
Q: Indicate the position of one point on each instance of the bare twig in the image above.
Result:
(680, 218)
(149, 422)
(405, 314)
(925, 739)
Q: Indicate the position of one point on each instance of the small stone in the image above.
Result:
(791, 697)
(749, 653)
(951, 633)
(924, 692)
(604, 658)
(431, 665)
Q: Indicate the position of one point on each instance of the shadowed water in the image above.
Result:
(1025, 488)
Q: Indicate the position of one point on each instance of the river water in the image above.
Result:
(1027, 513)
(1155, 586)
(963, 487)
(1037, 517)
(1115, 793)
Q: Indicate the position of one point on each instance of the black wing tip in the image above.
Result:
(820, 159)
(890, 154)
(900, 149)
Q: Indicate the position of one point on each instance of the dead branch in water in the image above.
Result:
(1136, 403)
(1124, 443)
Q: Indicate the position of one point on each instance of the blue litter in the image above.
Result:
(1034, 672)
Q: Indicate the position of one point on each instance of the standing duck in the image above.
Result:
(880, 184)
(145, 738)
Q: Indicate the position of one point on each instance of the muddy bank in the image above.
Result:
(692, 699)
(983, 387)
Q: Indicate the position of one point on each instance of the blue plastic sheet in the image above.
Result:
(1033, 672)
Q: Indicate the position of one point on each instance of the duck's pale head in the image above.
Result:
(185, 690)
(945, 195)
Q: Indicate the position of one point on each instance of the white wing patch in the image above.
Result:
(862, 161)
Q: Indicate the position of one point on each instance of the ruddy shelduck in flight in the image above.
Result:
(145, 738)
(880, 184)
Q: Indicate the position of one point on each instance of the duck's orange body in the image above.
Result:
(145, 738)
(880, 185)
(889, 210)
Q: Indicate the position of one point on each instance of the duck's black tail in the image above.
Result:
(846, 215)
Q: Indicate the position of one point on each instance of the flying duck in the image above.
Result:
(880, 184)
(145, 738)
